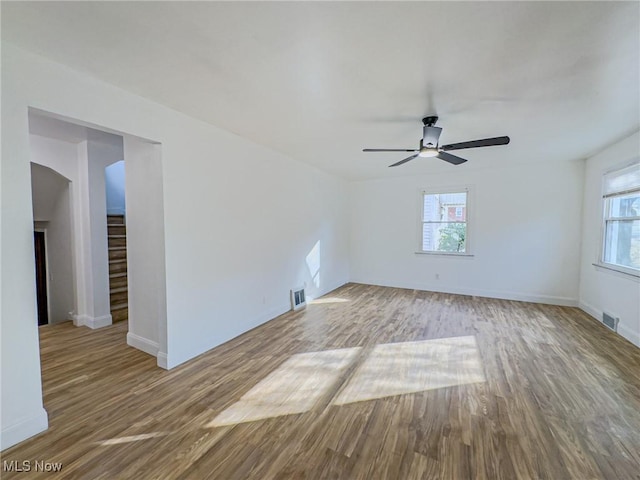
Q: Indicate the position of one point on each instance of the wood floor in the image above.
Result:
(367, 383)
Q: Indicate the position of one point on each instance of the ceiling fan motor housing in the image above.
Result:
(430, 137)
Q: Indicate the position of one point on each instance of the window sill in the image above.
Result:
(446, 254)
(625, 273)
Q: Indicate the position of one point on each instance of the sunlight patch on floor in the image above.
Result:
(132, 438)
(388, 370)
(410, 367)
(321, 300)
(294, 387)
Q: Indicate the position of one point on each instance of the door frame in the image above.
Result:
(47, 278)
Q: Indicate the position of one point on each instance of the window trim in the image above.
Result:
(604, 218)
(469, 189)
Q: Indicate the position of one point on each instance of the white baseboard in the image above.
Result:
(328, 289)
(98, 322)
(623, 330)
(24, 428)
(92, 322)
(273, 313)
(78, 320)
(503, 295)
(163, 361)
(590, 309)
(173, 361)
(144, 344)
(633, 337)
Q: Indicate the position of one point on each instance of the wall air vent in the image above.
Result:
(298, 298)
(610, 321)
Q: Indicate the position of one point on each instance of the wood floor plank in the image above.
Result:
(365, 383)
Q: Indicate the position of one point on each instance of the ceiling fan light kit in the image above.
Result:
(429, 146)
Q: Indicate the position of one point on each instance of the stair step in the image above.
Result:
(119, 253)
(118, 283)
(119, 306)
(118, 266)
(116, 230)
(121, 298)
(122, 295)
(120, 315)
(115, 218)
(117, 242)
(117, 249)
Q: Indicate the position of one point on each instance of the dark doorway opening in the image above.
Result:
(41, 278)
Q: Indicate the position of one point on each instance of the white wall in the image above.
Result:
(115, 185)
(47, 186)
(62, 157)
(51, 206)
(103, 149)
(22, 414)
(600, 289)
(239, 221)
(145, 249)
(524, 234)
(83, 162)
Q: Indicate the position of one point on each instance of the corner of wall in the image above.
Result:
(601, 290)
(623, 330)
(24, 428)
(162, 360)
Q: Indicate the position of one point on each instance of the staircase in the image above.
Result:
(117, 242)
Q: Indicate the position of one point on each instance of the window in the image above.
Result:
(444, 221)
(621, 228)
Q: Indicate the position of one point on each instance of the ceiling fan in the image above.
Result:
(429, 145)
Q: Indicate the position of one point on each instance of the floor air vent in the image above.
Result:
(610, 321)
(298, 299)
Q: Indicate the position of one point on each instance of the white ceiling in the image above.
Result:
(319, 81)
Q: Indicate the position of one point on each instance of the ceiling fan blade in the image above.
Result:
(389, 150)
(485, 142)
(447, 157)
(405, 160)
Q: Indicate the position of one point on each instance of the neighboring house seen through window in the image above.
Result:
(444, 221)
(621, 228)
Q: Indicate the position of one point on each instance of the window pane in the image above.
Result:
(625, 206)
(622, 243)
(445, 207)
(444, 237)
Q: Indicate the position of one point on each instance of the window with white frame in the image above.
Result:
(444, 217)
(621, 223)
